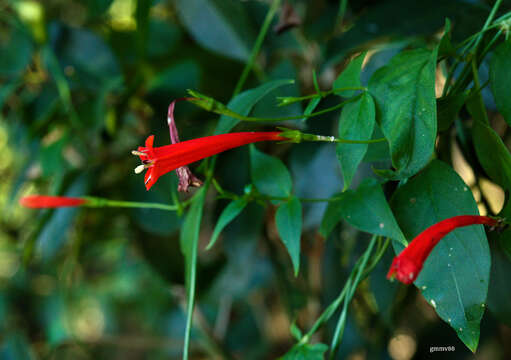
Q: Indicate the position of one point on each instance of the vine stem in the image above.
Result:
(101, 202)
(257, 46)
(358, 273)
(322, 138)
(240, 117)
(210, 165)
(472, 45)
(320, 94)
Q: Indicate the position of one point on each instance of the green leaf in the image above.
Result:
(499, 292)
(492, 154)
(289, 225)
(229, 214)
(244, 102)
(445, 47)
(306, 352)
(404, 92)
(456, 274)
(500, 78)
(448, 108)
(350, 76)
(367, 209)
(333, 214)
(311, 106)
(364, 208)
(295, 331)
(356, 123)
(52, 160)
(189, 240)
(269, 175)
(218, 25)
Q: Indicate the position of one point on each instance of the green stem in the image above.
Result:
(473, 44)
(477, 85)
(101, 202)
(257, 46)
(357, 275)
(284, 118)
(320, 94)
(342, 11)
(487, 23)
(339, 329)
(321, 138)
(490, 44)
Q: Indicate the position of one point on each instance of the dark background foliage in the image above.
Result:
(84, 82)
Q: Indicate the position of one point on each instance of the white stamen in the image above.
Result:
(149, 178)
(139, 169)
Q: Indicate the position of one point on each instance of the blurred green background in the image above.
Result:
(82, 83)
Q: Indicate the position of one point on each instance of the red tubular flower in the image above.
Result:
(161, 160)
(42, 201)
(408, 264)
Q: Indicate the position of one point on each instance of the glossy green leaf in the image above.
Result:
(288, 219)
(189, 241)
(218, 25)
(404, 92)
(356, 123)
(492, 154)
(455, 277)
(228, 214)
(500, 78)
(269, 174)
(364, 208)
(350, 76)
(367, 209)
(244, 102)
(306, 352)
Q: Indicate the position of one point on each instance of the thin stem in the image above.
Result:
(320, 94)
(354, 277)
(342, 11)
(339, 330)
(487, 23)
(257, 46)
(472, 44)
(490, 44)
(477, 85)
(321, 138)
(295, 117)
(100, 202)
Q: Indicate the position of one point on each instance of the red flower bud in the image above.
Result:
(42, 201)
(408, 264)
